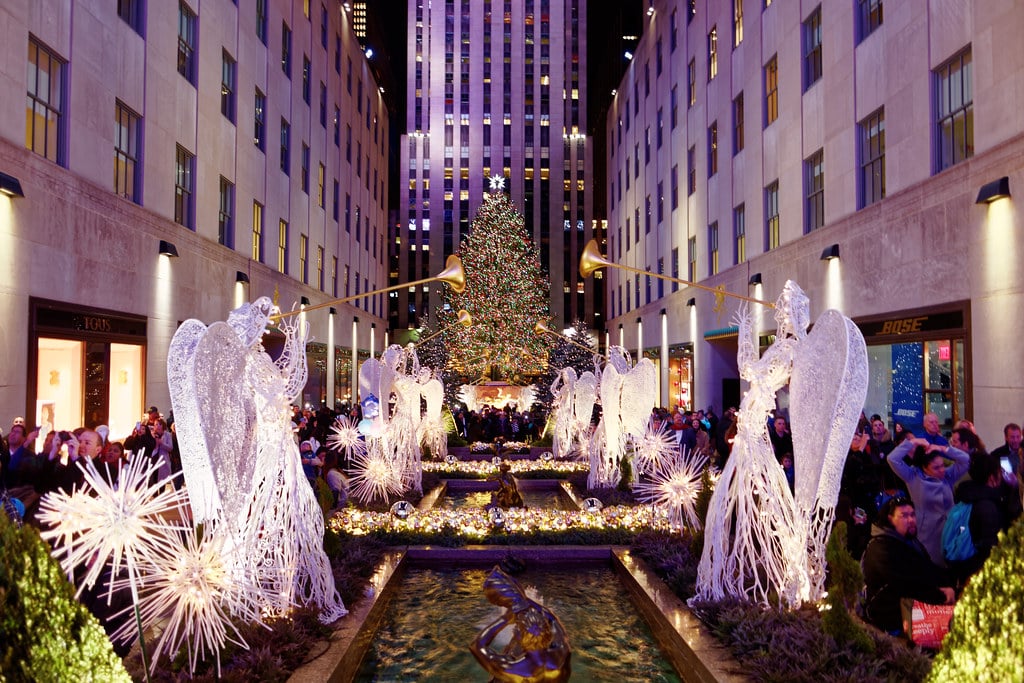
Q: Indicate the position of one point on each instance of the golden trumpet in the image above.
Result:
(540, 329)
(464, 319)
(592, 260)
(454, 274)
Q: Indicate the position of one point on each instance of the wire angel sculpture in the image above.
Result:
(761, 541)
(240, 461)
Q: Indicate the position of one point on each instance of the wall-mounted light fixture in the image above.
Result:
(304, 300)
(10, 186)
(332, 310)
(663, 312)
(997, 189)
(241, 277)
(755, 279)
(692, 301)
(168, 249)
(830, 253)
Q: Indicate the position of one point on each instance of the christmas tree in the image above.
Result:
(566, 354)
(506, 294)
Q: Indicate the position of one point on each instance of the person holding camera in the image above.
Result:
(141, 441)
(64, 471)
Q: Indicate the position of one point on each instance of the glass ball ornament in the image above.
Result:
(547, 456)
(496, 460)
(497, 516)
(591, 505)
(402, 509)
(450, 459)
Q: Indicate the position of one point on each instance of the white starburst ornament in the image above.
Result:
(191, 594)
(125, 524)
(345, 437)
(673, 486)
(652, 447)
(374, 477)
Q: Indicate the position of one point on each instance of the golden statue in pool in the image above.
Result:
(537, 650)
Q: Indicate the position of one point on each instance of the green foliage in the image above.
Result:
(324, 497)
(986, 639)
(45, 634)
(845, 580)
(701, 505)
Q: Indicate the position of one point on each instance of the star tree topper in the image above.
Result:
(497, 183)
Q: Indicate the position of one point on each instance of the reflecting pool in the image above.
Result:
(435, 614)
(540, 498)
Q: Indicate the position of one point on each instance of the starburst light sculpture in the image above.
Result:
(374, 476)
(674, 484)
(653, 448)
(124, 524)
(345, 437)
(192, 593)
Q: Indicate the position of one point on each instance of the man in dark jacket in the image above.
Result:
(896, 566)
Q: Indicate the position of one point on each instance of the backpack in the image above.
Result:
(957, 545)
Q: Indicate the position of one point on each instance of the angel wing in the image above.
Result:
(227, 411)
(195, 458)
(826, 395)
(584, 399)
(611, 389)
(637, 397)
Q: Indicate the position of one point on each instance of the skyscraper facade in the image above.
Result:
(494, 88)
(866, 150)
(174, 159)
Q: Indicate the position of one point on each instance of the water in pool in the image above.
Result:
(550, 499)
(435, 615)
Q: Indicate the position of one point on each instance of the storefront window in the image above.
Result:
(680, 376)
(907, 380)
(125, 394)
(59, 393)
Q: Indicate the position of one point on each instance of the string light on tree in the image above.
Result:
(506, 293)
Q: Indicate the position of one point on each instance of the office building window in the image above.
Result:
(691, 171)
(186, 43)
(228, 71)
(131, 13)
(661, 202)
(675, 268)
(257, 232)
(286, 147)
(647, 215)
(814, 190)
(869, 17)
(812, 48)
(259, 121)
(45, 124)
(771, 91)
(739, 233)
(713, 53)
(320, 180)
(282, 246)
(320, 268)
(771, 216)
(675, 187)
(673, 38)
(713, 149)
(737, 22)
(127, 126)
(691, 263)
(713, 248)
(226, 214)
(184, 187)
(954, 107)
(334, 276)
(304, 258)
(305, 168)
(691, 83)
(675, 106)
(737, 125)
(261, 20)
(286, 50)
(872, 158)
(306, 68)
(323, 105)
(334, 201)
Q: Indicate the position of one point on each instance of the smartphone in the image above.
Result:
(1005, 463)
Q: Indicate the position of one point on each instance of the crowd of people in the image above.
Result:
(897, 494)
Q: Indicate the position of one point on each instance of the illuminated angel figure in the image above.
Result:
(241, 464)
(751, 536)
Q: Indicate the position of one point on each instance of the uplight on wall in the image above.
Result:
(830, 252)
